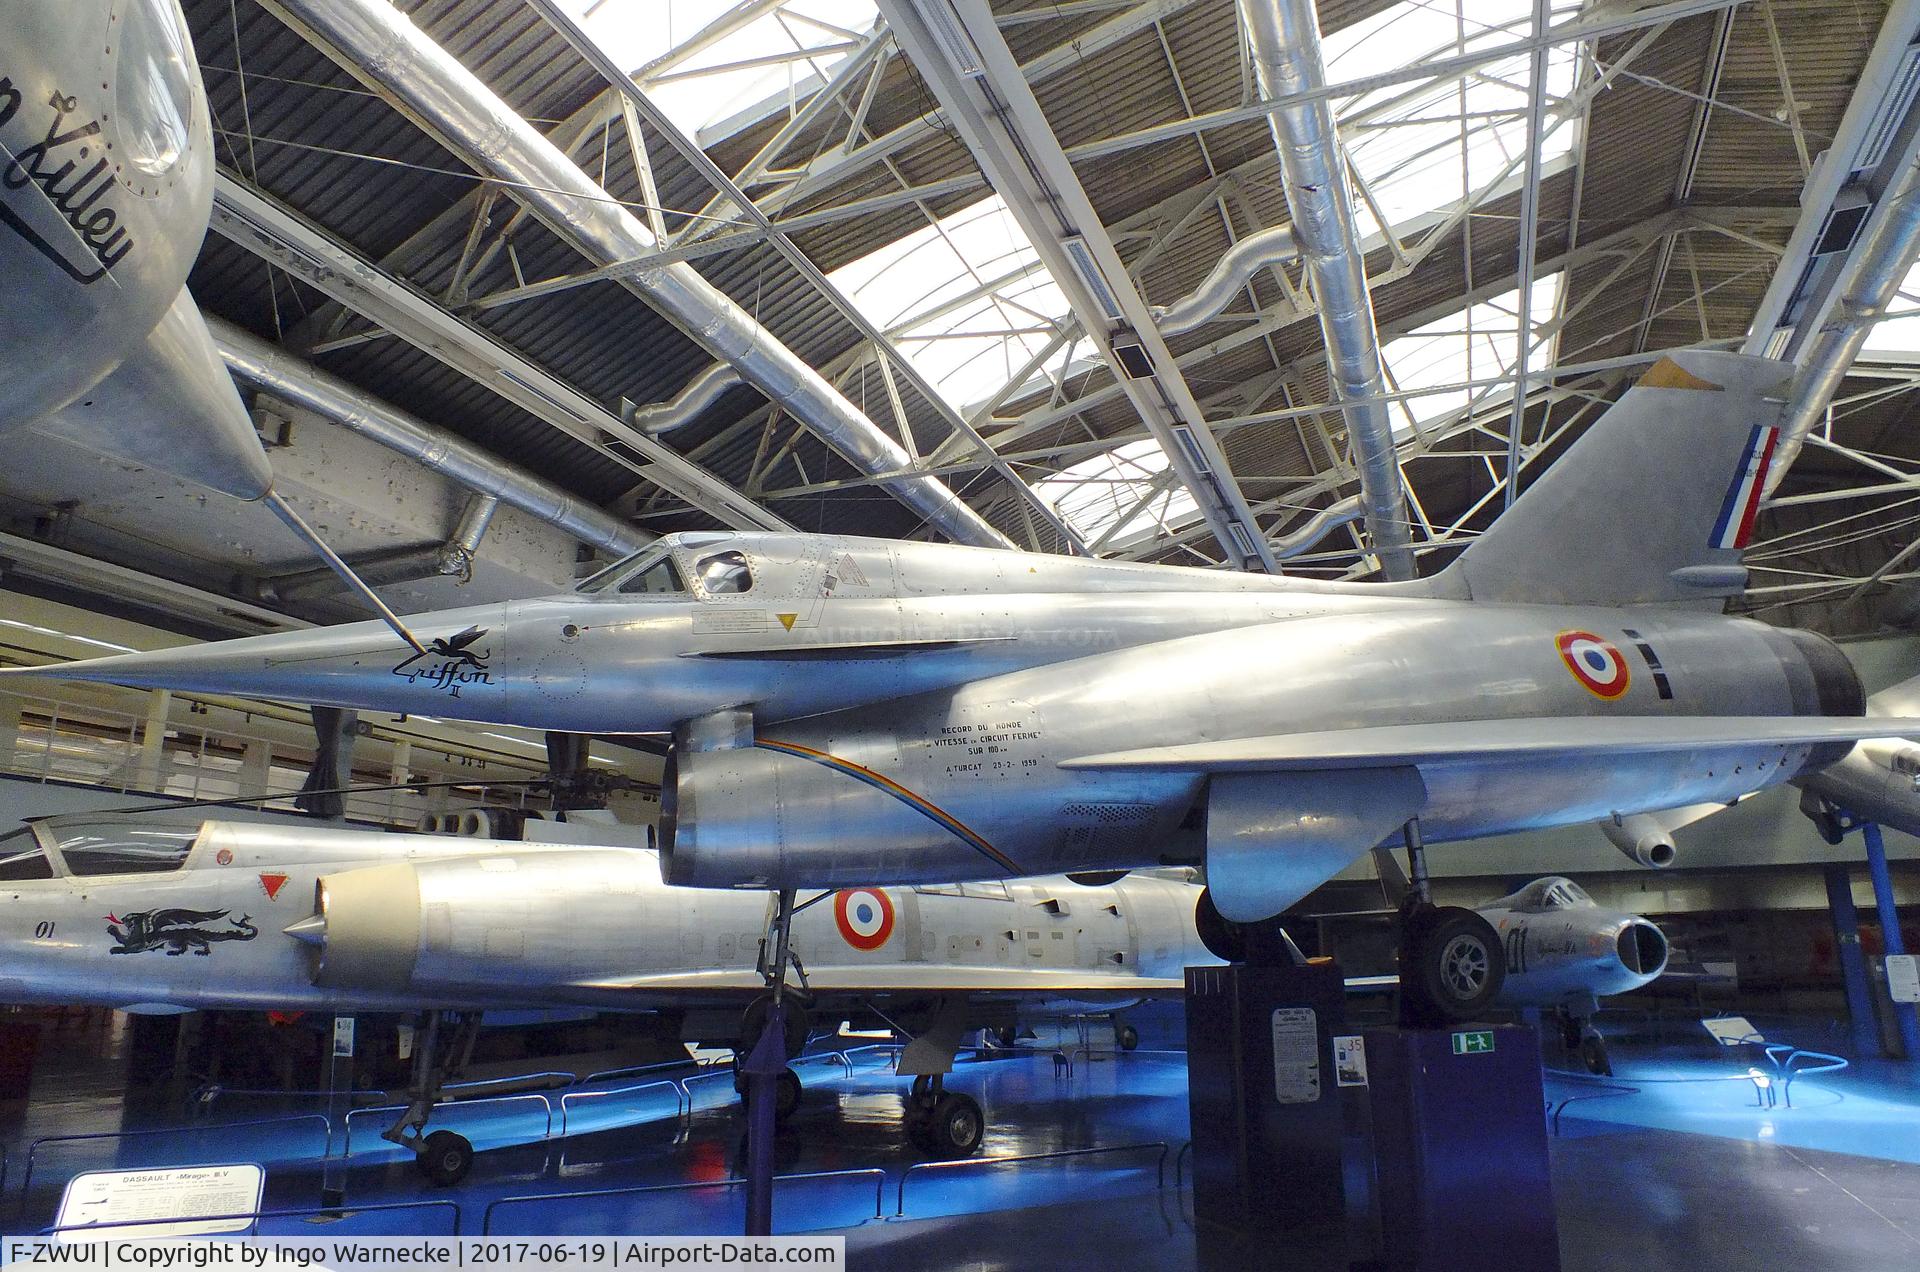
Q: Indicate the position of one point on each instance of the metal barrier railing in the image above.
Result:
(1180, 1164)
(1611, 1089)
(331, 1213)
(963, 1163)
(682, 1102)
(878, 1176)
(33, 1149)
(397, 1109)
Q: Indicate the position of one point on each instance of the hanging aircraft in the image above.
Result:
(850, 712)
(106, 183)
(1877, 781)
(144, 914)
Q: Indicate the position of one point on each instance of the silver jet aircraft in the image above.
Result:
(106, 183)
(146, 915)
(848, 712)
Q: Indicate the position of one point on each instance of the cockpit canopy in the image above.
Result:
(656, 570)
(1544, 896)
(95, 846)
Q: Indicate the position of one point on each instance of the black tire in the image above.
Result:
(1224, 940)
(798, 1028)
(1593, 1054)
(1127, 1037)
(1458, 965)
(1006, 1036)
(1570, 1032)
(786, 1095)
(445, 1158)
(957, 1126)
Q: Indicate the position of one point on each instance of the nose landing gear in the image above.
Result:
(444, 1157)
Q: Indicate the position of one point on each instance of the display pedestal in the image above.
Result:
(19, 1047)
(1266, 1112)
(1460, 1149)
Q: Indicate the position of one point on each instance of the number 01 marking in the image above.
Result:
(43, 929)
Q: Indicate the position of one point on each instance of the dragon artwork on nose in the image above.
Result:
(176, 930)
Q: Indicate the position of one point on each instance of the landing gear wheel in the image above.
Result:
(1006, 1036)
(1571, 1034)
(786, 1095)
(1223, 939)
(1593, 1054)
(797, 1026)
(1453, 965)
(1127, 1036)
(957, 1126)
(445, 1158)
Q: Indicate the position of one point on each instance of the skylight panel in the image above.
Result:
(965, 299)
(1422, 147)
(1472, 344)
(784, 50)
(1897, 339)
(1097, 494)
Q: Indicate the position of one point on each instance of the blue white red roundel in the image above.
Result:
(865, 917)
(1599, 667)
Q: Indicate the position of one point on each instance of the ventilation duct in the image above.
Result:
(1295, 543)
(1265, 250)
(1286, 47)
(701, 392)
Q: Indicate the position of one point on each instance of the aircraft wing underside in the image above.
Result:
(1523, 741)
(910, 978)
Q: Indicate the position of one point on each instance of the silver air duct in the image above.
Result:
(1883, 260)
(1268, 248)
(374, 41)
(1298, 541)
(701, 392)
(271, 368)
(1286, 47)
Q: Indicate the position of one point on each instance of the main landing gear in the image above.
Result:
(1451, 961)
(1582, 1040)
(943, 1123)
(444, 1157)
(940, 1122)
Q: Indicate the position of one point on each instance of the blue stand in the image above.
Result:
(762, 1068)
(1853, 961)
(1904, 1016)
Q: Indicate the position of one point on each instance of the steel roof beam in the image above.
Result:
(959, 51)
(372, 40)
(281, 237)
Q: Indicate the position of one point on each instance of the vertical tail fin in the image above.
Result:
(1653, 503)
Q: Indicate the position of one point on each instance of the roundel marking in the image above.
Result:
(1600, 668)
(864, 916)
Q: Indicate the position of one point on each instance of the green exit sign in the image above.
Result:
(1473, 1042)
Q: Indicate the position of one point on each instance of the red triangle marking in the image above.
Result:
(273, 883)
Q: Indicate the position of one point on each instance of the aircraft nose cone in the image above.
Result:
(1643, 948)
(311, 930)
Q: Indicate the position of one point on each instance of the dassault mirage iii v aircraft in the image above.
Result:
(141, 914)
(106, 182)
(849, 712)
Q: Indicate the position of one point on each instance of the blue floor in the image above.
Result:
(1669, 1165)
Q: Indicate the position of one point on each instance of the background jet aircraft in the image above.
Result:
(106, 183)
(848, 712)
(145, 915)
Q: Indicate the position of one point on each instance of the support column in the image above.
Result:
(10, 705)
(153, 742)
(1903, 1013)
(256, 769)
(1853, 961)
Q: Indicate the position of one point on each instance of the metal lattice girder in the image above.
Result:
(892, 362)
(960, 53)
(378, 45)
(285, 239)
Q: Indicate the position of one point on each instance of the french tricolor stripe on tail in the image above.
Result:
(1742, 504)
